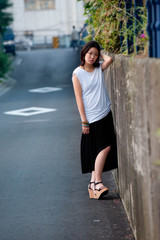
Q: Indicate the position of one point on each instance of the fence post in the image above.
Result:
(157, 28)
(149, 7)
(153, 32)
(121, 36)
(138, 18)
(128, 6)
(153, 27)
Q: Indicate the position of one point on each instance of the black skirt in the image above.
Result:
(102, 135)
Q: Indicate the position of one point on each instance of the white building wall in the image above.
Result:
(45, 24)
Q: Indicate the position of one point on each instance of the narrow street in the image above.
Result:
(43, 195)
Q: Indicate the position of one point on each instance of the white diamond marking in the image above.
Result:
(45, 90)
(30, 111)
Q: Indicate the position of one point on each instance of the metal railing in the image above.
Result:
(153, 27)
(128, 6)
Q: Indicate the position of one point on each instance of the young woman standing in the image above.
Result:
(98, 142)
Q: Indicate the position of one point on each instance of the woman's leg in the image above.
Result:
(99, 165)
(96, 175)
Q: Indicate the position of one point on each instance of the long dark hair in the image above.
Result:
(86, 48)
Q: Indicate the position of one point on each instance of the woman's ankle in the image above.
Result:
(92, 185)
(98, 180)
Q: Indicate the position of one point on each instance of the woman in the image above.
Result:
(98, 142)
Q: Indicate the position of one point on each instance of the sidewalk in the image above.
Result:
(101, 219)
(6, 85)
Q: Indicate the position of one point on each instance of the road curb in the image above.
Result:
(6, 85)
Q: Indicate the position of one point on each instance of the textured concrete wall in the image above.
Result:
(134, 88)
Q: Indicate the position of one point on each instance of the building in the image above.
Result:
(42, 20)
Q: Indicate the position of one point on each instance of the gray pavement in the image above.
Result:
(6, 84)
(43, 195)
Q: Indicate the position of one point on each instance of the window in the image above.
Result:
(31, 5)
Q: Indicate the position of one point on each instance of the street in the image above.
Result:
(43, 194)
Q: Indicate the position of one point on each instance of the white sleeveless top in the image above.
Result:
(94, 93)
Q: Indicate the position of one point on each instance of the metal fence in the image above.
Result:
(128, 5)
(23, 42)
(153, 27)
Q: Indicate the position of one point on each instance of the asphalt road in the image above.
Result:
(43, 195)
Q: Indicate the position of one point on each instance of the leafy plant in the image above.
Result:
(5, 17)
(107, 24)
(5, 20)
(5, 64)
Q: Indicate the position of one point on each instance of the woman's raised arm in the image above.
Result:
(107, 61)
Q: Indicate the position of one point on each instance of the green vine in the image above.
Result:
(107, 23)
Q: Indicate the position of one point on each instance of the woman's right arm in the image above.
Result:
(78, 94)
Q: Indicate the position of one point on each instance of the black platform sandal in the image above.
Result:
(99, 193)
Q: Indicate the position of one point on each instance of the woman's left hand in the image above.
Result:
(107, 61)
(85, 130)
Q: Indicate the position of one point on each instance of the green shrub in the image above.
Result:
(5, 64)
(107, 22)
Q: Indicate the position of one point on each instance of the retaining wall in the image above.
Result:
(134, 88)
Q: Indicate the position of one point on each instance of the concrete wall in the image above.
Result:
(134, 88)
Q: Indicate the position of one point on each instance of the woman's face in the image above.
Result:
(91, 56)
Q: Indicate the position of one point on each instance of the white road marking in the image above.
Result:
(30, 111)
(96, 220)
(19, 60)
(45, 90)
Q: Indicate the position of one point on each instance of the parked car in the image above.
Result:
(8, 41)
